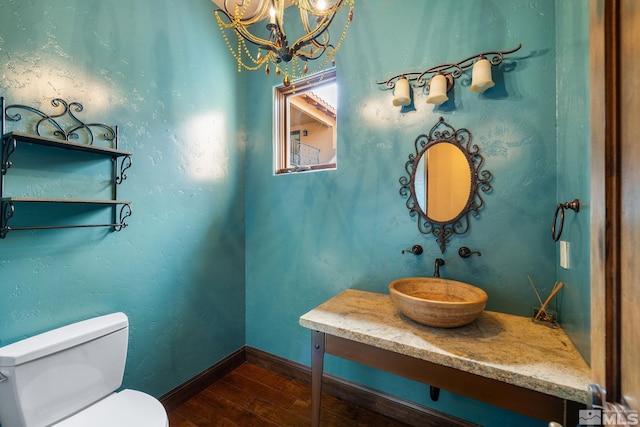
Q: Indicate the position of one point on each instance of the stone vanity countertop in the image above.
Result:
(504, 347)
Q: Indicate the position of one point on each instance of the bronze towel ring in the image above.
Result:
(575, 205)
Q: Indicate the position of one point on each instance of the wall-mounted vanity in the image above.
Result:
(501, 359)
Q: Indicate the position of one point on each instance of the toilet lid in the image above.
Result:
(128, 408)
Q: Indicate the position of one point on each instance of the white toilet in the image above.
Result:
(68, 377)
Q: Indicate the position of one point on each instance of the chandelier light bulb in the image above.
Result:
(272, 15)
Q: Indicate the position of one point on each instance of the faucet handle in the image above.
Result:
(465, 252)
(416, 250)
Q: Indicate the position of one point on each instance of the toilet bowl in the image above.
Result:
(128, 408)
(68, 377)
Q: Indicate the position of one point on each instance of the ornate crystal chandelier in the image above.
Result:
(274, 49)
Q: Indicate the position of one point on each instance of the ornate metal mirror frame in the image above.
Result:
(417, 199)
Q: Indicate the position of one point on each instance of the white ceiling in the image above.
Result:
(220, 3)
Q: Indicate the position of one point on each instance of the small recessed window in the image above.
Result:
(305, 124)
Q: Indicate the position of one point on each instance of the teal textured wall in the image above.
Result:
(163, 74)
(573, 168)
(313, 235)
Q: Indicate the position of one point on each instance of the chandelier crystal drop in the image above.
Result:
(244, 20)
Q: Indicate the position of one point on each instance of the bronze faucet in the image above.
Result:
(439, 263)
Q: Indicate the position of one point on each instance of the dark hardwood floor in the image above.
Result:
(251, 396)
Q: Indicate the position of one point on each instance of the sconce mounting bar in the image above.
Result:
(455, 70)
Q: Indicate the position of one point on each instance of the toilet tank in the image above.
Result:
(52, 375)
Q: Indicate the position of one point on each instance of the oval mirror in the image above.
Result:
(446, 186)
(444, 181)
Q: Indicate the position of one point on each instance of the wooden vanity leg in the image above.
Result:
(317, 363)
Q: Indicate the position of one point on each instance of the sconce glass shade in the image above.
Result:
(481, 76)
(402, 95)
(437, 90)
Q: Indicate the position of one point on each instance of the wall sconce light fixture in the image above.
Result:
(481, 75)
(402, 93)
(438, 87)
(443, 77)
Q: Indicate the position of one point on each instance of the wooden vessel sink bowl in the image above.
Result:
(434, 301)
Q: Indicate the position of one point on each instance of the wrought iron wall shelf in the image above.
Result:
(8, 209)
(62, 130)
(67, 145)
